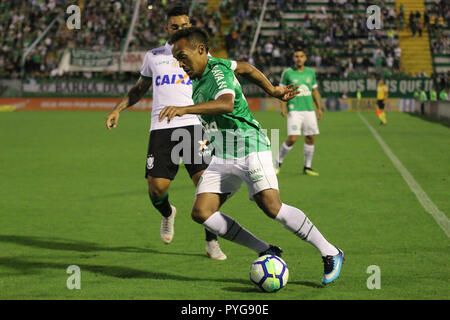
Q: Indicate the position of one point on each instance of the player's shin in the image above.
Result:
(308, 153)
(226, 227)
(297, 222)
(210, 235)
(283, 152)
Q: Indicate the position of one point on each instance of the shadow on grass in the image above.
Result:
(248, 289)
(79, 245)
(31, 267)
(26, 267)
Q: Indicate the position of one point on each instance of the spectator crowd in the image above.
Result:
(334, 33)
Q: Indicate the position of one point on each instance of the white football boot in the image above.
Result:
(167, 230)
(213, 250)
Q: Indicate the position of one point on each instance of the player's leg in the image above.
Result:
(159, 197)
(212, 247)
(383, 115)
(310, 130)
(206, 212)
(295, 220)
(159, 172)
(195, 166)
(294, 125)
(265, 193)
(217, 185)
(380, 112)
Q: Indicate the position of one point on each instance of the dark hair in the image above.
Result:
(177, 10)
(299, 48)
(194, 35)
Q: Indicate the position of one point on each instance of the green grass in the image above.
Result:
(73, 193)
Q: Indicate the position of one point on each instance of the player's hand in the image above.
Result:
(112, 120)
(283, 112)
(319, 114)
(171, 112)
(285, 93)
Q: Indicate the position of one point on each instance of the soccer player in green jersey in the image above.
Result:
(242, 153)
(303, 111)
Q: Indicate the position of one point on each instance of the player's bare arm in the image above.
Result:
(133, 96)
(223, 104)
(252, 74)
(317, 106)
(283, 109)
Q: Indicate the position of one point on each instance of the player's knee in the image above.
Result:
(200, 214)
(270, 204)
(156, 191)
(309, 140)
(291, 140)
(271, 209)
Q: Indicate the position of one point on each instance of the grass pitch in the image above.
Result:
(73, 193)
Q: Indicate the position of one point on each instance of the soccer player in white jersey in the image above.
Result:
(171, 86)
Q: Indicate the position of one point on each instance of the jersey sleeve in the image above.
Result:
(146, 69)
(233, 65)
(222, 80)
(284, 79)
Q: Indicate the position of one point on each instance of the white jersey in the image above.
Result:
(171, 87)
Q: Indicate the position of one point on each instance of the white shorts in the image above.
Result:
(226, 175)
(302, 121)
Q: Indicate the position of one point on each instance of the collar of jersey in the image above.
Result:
(168, 46)
(208, 66)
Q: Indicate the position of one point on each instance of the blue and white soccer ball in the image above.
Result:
(269, 273)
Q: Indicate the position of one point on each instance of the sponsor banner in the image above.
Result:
(78, 60)
(398, 88)
(23, 104)
(352, 104)
(83, 88)
(403, 88)
(255, 104)
(70, 103)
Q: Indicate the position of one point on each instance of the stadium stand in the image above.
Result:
(333, 31)
(436, 21)
(335, 35)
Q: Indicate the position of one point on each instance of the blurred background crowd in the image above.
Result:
(334, 33)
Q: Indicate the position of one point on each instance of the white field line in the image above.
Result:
(423, 198)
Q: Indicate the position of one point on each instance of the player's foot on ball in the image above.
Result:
(332, 267)
(272, 250)
(213, 250)
(310, 172)
(167, 229)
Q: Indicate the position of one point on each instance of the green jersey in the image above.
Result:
(307, 82)
(234, 134)
(433, 95)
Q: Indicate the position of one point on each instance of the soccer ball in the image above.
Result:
(269, 273)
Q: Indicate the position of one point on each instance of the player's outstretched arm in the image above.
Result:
(134, 95)
(252, 74)
(223, 104)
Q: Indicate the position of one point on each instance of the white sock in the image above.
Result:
(297, 222)
(226, 227)
(283, 152)
(308, 152)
